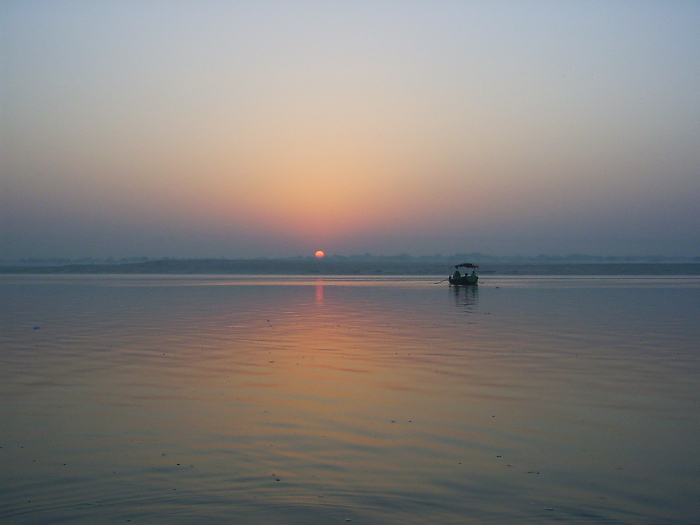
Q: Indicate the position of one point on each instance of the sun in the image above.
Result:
(320, 254)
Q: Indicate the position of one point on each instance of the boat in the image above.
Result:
(467, 279)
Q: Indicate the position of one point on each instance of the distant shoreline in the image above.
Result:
(332, 266)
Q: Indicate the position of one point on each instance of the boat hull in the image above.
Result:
(465, 280)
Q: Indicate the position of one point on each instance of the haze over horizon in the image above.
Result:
(275, 129)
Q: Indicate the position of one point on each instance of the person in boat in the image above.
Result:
(456, 275)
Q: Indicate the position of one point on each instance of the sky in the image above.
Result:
(277, 128)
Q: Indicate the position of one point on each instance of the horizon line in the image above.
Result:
(478, 256)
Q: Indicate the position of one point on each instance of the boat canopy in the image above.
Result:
(466, 265)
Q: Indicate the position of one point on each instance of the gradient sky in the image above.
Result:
(276, 128)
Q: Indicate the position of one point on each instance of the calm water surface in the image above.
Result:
(322, 400)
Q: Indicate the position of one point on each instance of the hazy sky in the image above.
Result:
(276, 128)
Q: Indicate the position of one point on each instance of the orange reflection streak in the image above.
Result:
(319, 292)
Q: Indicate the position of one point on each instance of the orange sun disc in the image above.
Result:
(320, 254)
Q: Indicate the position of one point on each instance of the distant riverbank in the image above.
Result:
(350, 267)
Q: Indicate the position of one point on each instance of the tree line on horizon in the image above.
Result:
(474, 257)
